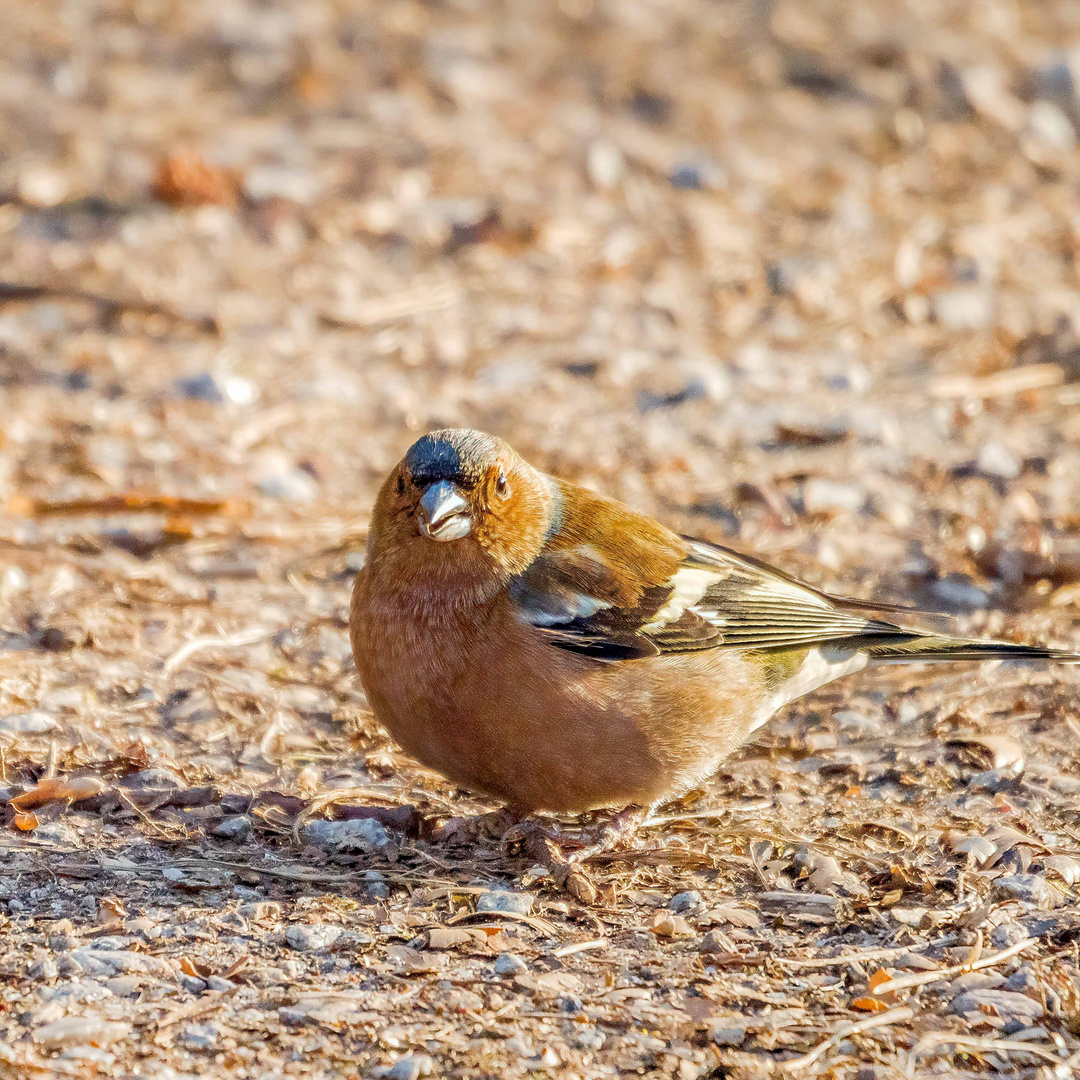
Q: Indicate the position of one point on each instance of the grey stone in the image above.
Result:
(31, 723)
(362, 834)
(43, 970)
(509, 964)
(126, 986)
(969, 307)
(517, 903)
(77, 990)
(145, 928)
(995, 460)
(959, 593)
(304, 937)
(201, 1036)
(1024, 981)
(1008, 933)
(727, 1031)
(1008, 1006)
(689, 900)
(233, 828)
(589, 1038)
(410, 1067)
(153, 778)
(56, 832)
(1027, 888)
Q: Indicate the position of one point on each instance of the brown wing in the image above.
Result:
(654, 592)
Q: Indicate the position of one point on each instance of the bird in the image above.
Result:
(542, 644)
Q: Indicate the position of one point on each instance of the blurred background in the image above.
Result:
(799, 275)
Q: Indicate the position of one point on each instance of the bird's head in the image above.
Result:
(459, 493)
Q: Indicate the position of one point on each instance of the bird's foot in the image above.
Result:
(619, 831)
(562, 854)
(470, 830)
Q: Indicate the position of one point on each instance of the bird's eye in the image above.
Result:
(502, 486)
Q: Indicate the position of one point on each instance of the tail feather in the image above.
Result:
(930, 648)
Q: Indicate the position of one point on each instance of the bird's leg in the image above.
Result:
(618, 831)
(547, 843)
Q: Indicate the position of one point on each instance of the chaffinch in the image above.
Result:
(545, 645)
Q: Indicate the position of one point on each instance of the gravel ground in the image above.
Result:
(801, 277)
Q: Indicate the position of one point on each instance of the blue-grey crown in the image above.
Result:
(455, 454)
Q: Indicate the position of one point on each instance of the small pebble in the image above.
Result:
(507, 964)
(589, 1038)
(517, 1045)
(76, 990)
(125, 986)
(375, 885)
(993, 780)
(75, 1030)
(826, 496)
(101, 1059)
(361, 834)
(200, 1036)
(690, 900)
(145, 928)
(153, 778)
(411, 1067)
(969, 307)
(957, 592)
(200, 388)
(606, 165)
(1010, 1007)
(1029, 889)
(57, 832)
(1024, 981)
(31, 723)
(1007, 933)
(505, 900)
(216, 982)
(995, 460)
(43, 970)
(260, 909)
(304, 937)
(727, 1031)
(233, 828)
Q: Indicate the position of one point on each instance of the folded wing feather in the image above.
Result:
(710, 597)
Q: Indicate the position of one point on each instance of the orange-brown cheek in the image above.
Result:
(512, 534)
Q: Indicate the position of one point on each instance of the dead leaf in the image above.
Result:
(194, 968)
(451, 937)
(185, 179)
(869, 1004)
(731, 916)
(1004, 752)
(1064, 866)
(665, 924)
(110, 911)
(74, 788)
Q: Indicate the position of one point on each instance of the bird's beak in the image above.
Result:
(443, 513)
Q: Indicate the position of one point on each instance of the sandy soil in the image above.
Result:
(797, 276)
